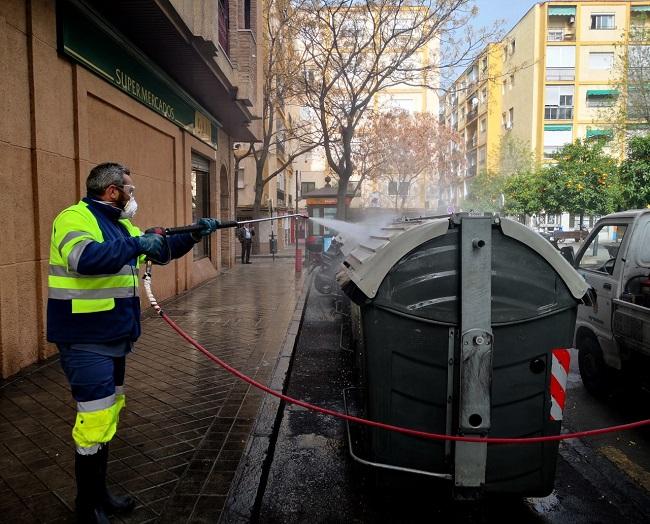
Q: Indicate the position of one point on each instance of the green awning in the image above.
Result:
(592, 133)
(602, 92)
(556, 10)
(557, 127)
(641, 8)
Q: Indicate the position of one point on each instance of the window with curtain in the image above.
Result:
(558, 102)
(560, 62)
(603, 61)
(603, 21)
(560, 56)
(555, 139)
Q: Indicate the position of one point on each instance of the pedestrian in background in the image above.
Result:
(245, 235)
(93, 316)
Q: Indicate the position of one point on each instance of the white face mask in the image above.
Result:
(129, 209)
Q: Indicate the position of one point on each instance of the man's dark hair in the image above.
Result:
(103, 175)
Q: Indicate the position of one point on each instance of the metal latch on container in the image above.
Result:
(476, 379)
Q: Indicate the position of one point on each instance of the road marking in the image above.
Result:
(634, 471)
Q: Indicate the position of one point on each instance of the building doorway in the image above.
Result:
(200, 183)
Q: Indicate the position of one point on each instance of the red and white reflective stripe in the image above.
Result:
(559, 375)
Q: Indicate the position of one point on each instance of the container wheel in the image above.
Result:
(596, 375)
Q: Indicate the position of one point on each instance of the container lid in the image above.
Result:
(368, 264)
(372, 259)
(574, 281)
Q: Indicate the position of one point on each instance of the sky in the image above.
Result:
(508, 10)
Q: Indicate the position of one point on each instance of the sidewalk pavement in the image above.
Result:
(186, 422)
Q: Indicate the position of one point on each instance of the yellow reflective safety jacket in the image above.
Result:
(94, 299)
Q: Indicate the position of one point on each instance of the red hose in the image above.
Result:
(390, 427)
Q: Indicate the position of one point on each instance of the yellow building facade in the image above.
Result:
(551, 80)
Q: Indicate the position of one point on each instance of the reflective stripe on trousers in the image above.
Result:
(96, 423)
(97, 384)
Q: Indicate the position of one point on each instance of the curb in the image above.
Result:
(240, 503)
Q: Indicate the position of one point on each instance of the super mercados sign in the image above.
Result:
(90, 42)
(134, 88)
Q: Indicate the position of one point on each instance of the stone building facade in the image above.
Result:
(164, 87)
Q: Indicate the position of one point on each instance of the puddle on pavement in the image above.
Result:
(544, 504)
(311, 440)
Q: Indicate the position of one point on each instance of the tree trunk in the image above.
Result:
(341, 196)
(257, 207)
(582, 218)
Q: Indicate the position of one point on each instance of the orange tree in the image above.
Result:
(635, 173)
(583, 180)
(522, 193)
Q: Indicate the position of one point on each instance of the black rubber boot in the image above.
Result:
(113, 504)
(89, 490)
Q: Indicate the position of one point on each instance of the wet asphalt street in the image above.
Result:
(311, 477)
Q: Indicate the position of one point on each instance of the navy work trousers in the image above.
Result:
(91, 376)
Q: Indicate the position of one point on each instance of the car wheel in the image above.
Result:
(597, 376)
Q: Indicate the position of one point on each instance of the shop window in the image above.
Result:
(200, 182)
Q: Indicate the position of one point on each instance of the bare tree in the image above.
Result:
(632, 81)
(282, 135)
(406, 150)
(355, 50)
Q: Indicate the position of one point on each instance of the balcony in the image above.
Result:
(549, 151)
(639, 22)
(560, 73)
(560, 35)
(558, 113)
(561, 23)
(243, 55)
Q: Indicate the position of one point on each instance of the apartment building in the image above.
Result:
(473, 109)
(162, 87)
(551, 80)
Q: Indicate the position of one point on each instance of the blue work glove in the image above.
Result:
(152, 245)
(210, 225)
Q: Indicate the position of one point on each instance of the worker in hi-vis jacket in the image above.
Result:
(93, 316)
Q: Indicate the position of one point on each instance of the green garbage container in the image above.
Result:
(456, 321)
